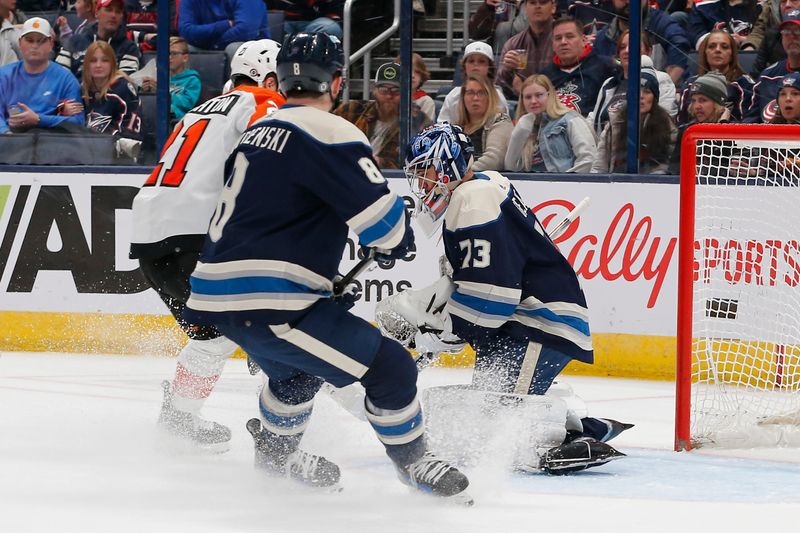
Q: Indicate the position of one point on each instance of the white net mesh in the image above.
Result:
(746, 294)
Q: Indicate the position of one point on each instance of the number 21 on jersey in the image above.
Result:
(170, 172)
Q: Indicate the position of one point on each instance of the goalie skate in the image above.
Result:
(309, 469)
(575, 456)
(189, 427)
(432, 475)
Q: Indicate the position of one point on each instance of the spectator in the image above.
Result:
(481, 117)
(765, 91)
(85, 10)
(15, 16)
(718, 52)
(141, 21)
(478, 59)
(661, 29)
(379, 118)
(184, 83)
(657, 135)
(419, 76)
(222, 24)
(110, 14)
(35, 90)
(770, 48)
(112, 105)
(310, 16)
(536, 39)
(548, 137)
(576, 71)
(614, 90)
(788, 101)
(735, 17)
(496, 20)
(9, 35)
(707, 96)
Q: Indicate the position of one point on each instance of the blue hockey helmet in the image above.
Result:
(437, 158)
(309, 62)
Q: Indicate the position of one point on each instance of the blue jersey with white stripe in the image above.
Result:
(509, 275)
(295, 184)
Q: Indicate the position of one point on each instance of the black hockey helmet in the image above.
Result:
(309, 62)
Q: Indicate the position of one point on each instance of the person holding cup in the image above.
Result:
(529, 51)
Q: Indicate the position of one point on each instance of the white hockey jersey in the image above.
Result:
(172, 210)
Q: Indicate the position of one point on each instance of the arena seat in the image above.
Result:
(213, 70)
(147, 111)
(275, 23)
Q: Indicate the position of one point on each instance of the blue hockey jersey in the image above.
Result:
(508, 273)
(296, 182)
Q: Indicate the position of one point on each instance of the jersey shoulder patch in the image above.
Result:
(477, 201)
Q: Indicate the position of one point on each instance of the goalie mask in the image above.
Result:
(436, 160)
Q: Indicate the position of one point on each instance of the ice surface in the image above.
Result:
(80, 452)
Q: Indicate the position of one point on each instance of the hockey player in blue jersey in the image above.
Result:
(297, 182)
(514, 297)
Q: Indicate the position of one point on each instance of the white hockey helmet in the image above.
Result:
(256, 59)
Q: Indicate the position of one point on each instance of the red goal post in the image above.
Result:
(738, 335)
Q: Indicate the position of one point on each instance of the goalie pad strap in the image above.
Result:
(528, 368)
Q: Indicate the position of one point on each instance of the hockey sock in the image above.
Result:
(199, 366)
(283, 422)
(400, 430)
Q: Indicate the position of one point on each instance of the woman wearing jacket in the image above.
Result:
(548, 137)
(112, 105)
(719, 52)
(656, 139)
(612, 93)
(481, 118)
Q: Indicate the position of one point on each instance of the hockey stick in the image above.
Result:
(569, 218)
(340, 284)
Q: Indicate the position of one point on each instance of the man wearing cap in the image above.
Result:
(32, 90)
(536, 39)
(766, 90)
(765, 36)
(9, 35)
(478, 59)
(110, 15)
(379, 118)
(576, 71)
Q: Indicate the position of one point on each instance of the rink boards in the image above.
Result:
(67, 285)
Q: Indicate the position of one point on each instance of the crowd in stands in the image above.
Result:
(541, 88)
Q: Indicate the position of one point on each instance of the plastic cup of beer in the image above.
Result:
(522, 58)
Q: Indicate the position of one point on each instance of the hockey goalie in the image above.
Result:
(509, 292)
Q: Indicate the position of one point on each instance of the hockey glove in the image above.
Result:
(347, 298)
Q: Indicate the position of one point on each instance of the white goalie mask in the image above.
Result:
(437, 159)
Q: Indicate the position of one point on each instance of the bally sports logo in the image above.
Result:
(628, 249)
(765, 263)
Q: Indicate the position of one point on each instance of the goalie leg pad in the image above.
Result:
(577, 455)
(472, 426)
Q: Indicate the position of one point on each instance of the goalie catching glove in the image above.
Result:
(417, 319)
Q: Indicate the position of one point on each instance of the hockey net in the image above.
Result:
(738, 382)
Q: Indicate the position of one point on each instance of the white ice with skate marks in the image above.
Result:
(80, 452)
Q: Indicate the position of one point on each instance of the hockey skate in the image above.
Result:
(298, 465)
(579, 454)
(435, 476)
(189, 427)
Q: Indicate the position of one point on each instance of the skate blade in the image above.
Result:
(462, 499)
(182, 444)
